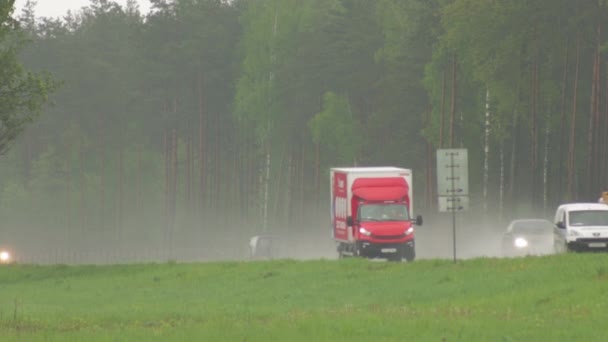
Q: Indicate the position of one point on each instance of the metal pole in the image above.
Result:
(453, 205)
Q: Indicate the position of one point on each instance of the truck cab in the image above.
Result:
(385, 229)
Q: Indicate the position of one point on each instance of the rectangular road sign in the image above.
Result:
(452, 172)
(453, 203)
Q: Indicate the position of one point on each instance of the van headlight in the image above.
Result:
(573, 233)
(520, 242)
(5, 257)
(409, 231)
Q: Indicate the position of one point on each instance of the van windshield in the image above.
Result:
(383, 212)
(588, 218)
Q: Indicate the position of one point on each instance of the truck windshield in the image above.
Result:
(588, 218)
(383, 212)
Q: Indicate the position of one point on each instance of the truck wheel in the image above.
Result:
(340, 249)
(356, 251)
(409, 253)
(347, 251)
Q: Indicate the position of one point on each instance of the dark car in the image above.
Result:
(528, 237)
(265, 246)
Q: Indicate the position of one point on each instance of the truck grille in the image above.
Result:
(387, 237)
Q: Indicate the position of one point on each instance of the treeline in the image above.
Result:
(206, 115)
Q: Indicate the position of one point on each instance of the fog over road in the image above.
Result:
(434, 240)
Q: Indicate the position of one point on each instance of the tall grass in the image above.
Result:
(552, 298)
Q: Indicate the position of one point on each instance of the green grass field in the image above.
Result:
(553, 298)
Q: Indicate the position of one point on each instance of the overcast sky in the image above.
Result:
(57, 8)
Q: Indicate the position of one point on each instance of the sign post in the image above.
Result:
(453, 184)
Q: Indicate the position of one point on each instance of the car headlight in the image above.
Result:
(5, 257)
(365, 231)
(520, 242)
(409, 231)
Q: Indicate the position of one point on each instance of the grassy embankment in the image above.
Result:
(554, 298)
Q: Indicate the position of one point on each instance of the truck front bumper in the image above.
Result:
(374, 250)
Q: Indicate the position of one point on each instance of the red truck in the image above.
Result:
(371, 212)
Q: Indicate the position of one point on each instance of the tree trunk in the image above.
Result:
(188, 177)
(597, 146)
(302, 173)
(278, 185)
(429, 166)
(533, 133)
(252, 173)
(317, 168)
(244, 172)
(68, 174)
(453, 103)
(217, 175)
(594, 124)
(266, 145)
(167, 191)
(442, 113)
(83, 187)
(202, 134)
(604, 145)
(514, 156)
(590, 132)
(121, 190)
(140, 174)
(501, 184)
(266, 186)
(170, 186)
(290, 186)
(102, 167)
(571, 171)
(174, 174)
(546, 169)
(562, 123)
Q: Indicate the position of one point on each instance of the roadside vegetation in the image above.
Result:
(167, 123)
(553, 298)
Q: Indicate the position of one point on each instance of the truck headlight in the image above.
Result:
(409, 231)
(5, 257)
(365, 231)
(520, 242)
(573, 233)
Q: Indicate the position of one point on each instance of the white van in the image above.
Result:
(581, 227)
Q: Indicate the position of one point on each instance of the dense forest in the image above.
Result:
(211, 119)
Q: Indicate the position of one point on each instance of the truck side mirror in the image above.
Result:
(419, 220)
(561, 225)
(349, 221)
